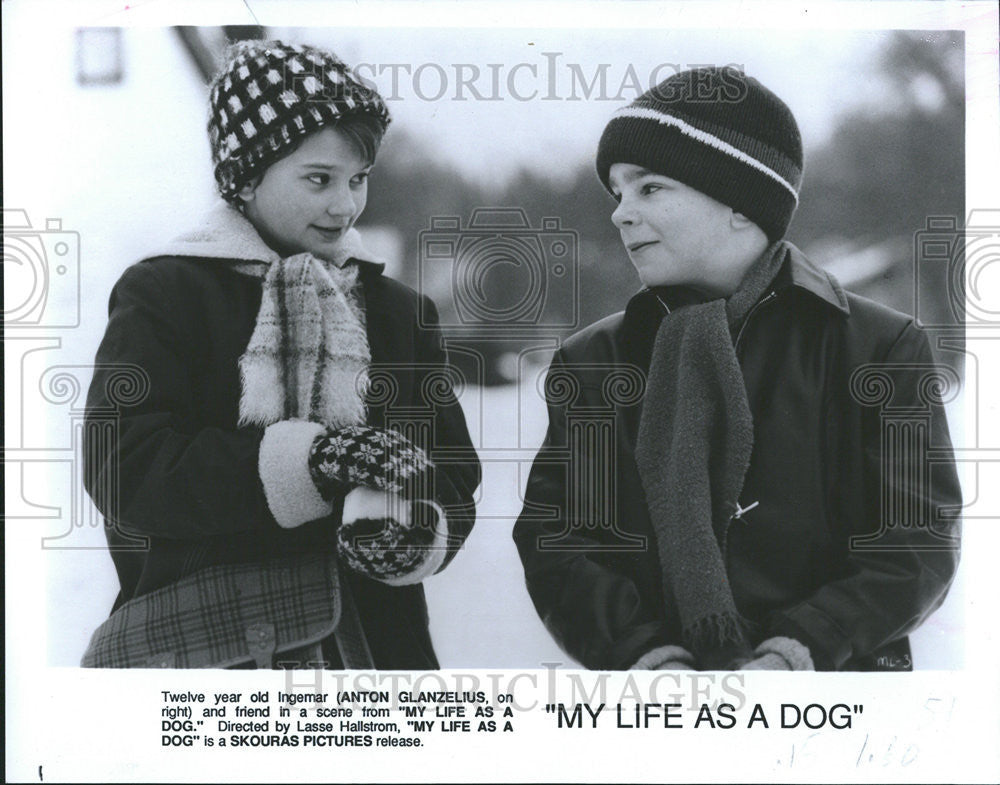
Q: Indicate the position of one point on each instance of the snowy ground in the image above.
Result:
(480, 612)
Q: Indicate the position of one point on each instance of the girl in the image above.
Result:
(274, 497)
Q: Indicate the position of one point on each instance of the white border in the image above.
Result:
(93, 726)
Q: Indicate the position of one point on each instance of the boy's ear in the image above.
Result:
(247, 192)
(739, 221)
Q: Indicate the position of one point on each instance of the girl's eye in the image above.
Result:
(318, 178)
(360, 178)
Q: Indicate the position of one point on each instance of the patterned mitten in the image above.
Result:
(780, 654)
(359, 455)
(388, 538)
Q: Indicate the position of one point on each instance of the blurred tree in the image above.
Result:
(890, 167)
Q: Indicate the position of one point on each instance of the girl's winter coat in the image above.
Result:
(179, 483)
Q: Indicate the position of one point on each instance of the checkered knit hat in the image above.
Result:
(720, 132)
(269, 96)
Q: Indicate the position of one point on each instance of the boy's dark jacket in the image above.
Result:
(187, 477)
(826, 432)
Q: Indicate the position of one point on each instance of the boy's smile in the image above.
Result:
(310, 198)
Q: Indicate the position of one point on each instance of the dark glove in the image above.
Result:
(359, 455)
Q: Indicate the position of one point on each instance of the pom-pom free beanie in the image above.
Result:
(720, 132)
(269, 96)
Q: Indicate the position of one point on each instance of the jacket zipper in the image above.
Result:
(738, 513)
(771, 295)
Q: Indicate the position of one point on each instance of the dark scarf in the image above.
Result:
(692, 452)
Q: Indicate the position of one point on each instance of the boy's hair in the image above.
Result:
(269, 96)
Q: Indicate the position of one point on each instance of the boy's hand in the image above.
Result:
(359, 455)
(665, 658)
(780, 654)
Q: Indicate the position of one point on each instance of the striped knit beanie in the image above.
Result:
(720, 132)
(268, 97)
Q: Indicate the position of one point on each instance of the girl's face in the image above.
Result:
(309, 199)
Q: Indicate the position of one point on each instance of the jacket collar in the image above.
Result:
(803, 274)
(797, 271)
(225, 234)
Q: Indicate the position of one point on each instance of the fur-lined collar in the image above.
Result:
(225, 234)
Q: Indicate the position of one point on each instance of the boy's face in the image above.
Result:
(672, 232)
(310, 198)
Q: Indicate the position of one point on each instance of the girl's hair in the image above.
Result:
(365, 133)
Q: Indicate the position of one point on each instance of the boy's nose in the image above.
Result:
(623, 214)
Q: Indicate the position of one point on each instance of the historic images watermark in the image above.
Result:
(550, 77)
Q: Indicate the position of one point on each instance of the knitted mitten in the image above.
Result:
(388, 538)
(780, 654)
(665, 658)
(359, 455)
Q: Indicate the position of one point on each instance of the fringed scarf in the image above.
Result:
(692, 453)
(308, 356)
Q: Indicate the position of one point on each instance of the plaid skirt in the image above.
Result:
(259, 614)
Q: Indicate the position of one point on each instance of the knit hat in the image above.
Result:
(720, 132)
(269, 96)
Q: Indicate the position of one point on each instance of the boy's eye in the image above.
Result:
(648, 188)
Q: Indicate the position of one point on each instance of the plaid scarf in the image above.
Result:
(308, 355)
(692, 453)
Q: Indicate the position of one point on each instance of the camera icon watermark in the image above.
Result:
(503, 274)
(41, 272)
(962, 259)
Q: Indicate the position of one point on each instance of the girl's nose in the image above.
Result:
(341, 203)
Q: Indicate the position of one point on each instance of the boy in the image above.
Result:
(716, 528)
(263, 503)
